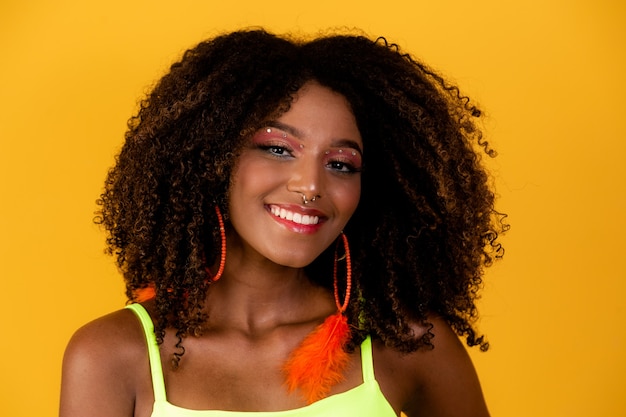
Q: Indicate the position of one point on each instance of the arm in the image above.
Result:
(100, 368)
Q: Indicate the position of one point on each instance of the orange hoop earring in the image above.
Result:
(346, 256)
(321, 359)
(220, 269)
(149, 292)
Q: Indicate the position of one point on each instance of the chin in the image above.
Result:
(293, 260)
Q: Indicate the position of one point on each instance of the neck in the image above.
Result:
(257, 295)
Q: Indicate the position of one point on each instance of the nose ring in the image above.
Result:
(306, 201)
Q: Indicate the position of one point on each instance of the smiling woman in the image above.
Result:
(302, 226)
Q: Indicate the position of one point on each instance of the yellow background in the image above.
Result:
(550, 75)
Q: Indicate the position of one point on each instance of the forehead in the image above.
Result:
(316, 112)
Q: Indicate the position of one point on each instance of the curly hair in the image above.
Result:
(425, 227)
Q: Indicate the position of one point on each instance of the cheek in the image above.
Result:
(347, 197)
(253, 177)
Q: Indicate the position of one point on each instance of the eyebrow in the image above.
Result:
(294, 131)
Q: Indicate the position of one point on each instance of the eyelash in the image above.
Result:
(350, 168)
(339, 166)
(273, 150)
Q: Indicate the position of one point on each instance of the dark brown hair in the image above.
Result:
(425, 227)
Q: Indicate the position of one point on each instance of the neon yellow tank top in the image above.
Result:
(361, 401)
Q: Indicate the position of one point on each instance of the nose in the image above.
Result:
(306, 178)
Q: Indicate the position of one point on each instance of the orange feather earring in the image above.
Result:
(149, 292)
(320, 360)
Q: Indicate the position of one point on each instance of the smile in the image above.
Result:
(294, 217)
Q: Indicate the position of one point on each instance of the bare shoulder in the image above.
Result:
(112, 339)
(440, 381)
(102, 365)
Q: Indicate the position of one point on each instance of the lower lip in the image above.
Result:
(297, 227)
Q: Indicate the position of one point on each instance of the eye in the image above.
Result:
(276, 150)
(343, 167)
(343, 161)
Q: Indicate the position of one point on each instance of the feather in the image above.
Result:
(144, 294)
(319, 362)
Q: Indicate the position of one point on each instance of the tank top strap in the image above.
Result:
(158, 384)
(367, 360)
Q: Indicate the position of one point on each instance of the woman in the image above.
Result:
(302, 227)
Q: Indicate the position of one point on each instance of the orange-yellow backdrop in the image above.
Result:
(549, 73)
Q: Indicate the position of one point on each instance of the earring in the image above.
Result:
(149, 292)
(346, 256)
(320, 360)
(220, 269)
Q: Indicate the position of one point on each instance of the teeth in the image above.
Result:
(294, 217)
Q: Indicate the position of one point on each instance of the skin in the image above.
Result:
(264, 305)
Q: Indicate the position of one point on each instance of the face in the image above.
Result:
(313, 151)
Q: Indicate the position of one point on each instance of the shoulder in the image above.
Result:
(103, 362)
(112, 339)
(434, 381)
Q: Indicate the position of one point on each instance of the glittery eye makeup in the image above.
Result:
(270, 138)
(346, 160)
(269, 131)
(343, 155)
